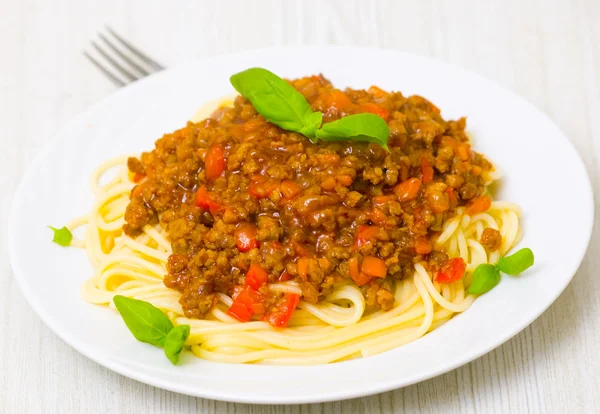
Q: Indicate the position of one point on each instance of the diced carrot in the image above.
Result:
(324, 263)
(328, 183)
(380, 200)
(377, 92)
(377, 216)
(374, 266)
(448, 141)
(299, 249)
(137, 191)
(290, 189)
(376, 109)
(463, 151)
(262, 187)
(302, 267)
(359, 278)
(408, 189)
(328, 158)
(238, 131)
(422, 245)
(479, 205)
(214, 162)
(426, 170)
(344, 180)
(338, 100)
(452, 197)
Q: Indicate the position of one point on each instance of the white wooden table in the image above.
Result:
(546, 50)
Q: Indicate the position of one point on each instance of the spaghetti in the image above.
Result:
(277, 249)
(332, 330)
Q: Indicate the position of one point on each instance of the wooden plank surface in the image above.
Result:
(548, 51)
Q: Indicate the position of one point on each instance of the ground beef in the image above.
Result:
(309, 210)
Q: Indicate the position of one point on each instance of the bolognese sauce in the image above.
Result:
(247, 204)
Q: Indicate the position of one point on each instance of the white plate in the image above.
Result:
(543, 173)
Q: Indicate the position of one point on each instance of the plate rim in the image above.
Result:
(104, 359)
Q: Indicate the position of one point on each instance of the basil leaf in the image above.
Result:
(62, 236)
(360, 127)
(485, 278)
(145, 321)
(516, 263)
(277, 101)
(175, 341)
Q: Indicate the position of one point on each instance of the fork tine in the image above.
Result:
(108, 74)
(122, 55)
(115, 64)
(142, 56)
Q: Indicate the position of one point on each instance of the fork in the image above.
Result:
(125, 63)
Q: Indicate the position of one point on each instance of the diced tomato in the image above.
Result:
(408, 190)
(262, 187)
(240, 311)
(426, 170)
(204, 200)
(256, 276)
(302, 267)
(285, 276)
(245, 237)
(365, 234)
(281, 314)
(214, 162)
(422, 245)
(246, 303)
(453, 270)
(290, 189)
(377, 110)
(479, 205)
(374, 266)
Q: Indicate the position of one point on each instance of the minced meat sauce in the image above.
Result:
(234, 190)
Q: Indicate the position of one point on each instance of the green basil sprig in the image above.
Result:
(487, 276)
(149, 324)
(175, 341)
(62, 236)
(281, 104)
(277, 101)
(360, 127)
(516, 263)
